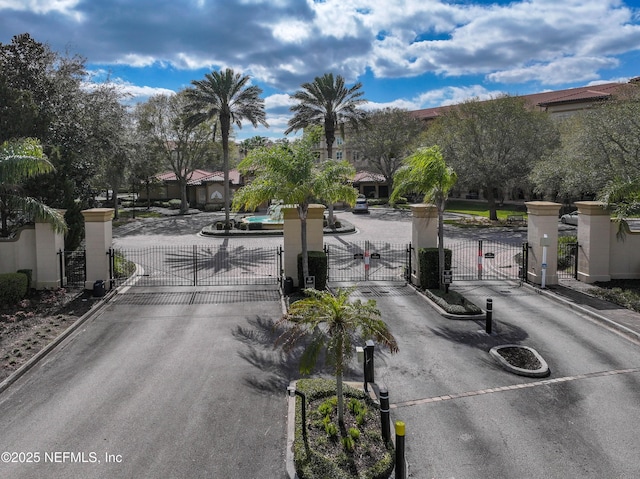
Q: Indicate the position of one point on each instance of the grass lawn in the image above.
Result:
(125, 215)
(480, 208)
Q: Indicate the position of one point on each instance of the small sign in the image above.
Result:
(310, 282)
(358, 256)
(447, 276)
(490, 255)
(375, 255)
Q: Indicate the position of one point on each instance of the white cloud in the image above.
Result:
(43, 7)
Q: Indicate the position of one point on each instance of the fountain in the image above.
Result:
(273, 220)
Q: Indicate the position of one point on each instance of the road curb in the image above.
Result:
(36, 358)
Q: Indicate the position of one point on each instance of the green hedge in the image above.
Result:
(428, 258)
(317, 268)
(13, 287)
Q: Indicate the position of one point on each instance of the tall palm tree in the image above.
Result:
(289, 172)
(426, 172)
(19, 160)
(226, 95)
(334, 323)
(328, 103)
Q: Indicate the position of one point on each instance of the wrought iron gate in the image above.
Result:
(72, 268)
(487, 259)
(368, 261)
(196, 265)
(567, 260)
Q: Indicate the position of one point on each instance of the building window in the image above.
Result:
(339, 141)
(338, 155)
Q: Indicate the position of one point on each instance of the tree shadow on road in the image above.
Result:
(275, 368)
(476, 337)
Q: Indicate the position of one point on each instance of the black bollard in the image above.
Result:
(384, 415)
(368, 363)
(488, 325)
(401, 469)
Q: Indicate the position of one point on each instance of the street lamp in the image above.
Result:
(292, 391)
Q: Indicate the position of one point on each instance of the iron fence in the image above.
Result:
(368, 261)
(72, 268)
(487, 260)
(196, 265)
(567, 260)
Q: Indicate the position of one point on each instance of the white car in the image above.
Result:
(361, 206)
(570, 218)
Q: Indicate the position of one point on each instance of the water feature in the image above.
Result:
(274, 219)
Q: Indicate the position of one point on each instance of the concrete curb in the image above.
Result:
(443, 313)
(35, 359)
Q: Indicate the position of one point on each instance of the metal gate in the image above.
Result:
(368, 261)
(487, 259)
(196, 265)
(567, 260)
(72, 268)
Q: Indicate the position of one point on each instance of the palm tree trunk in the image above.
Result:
(330, 138)
(225, 123)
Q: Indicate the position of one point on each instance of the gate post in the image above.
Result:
(98, 238)
(424, 234)
(48, 244)
(292, 236)
(543, 233)
(594, 240)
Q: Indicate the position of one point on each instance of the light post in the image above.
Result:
(293, 392)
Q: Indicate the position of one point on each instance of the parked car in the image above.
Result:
(361, 206)
(570, 218)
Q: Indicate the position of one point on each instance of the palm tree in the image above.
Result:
(19, 160)
(334, 323)
(328, 103)
(426, 172)
(225, 95)
(290, 172)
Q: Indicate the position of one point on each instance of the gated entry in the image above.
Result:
(368, 261)
(196, 265)
(487, 259)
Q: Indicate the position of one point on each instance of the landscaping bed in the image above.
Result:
(31, 324)
(452, 302)
(355, 451)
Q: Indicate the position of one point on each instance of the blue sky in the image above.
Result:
(411, 54)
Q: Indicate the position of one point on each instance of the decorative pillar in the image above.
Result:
(594, 241)
(424, 234)
(292, 240)
(48, 243)
(543, 220)
(98, 239)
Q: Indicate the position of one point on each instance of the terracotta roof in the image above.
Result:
(544, 99)
(369, 177)
(199, 177)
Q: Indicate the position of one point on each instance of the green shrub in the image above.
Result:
(29, 274)
(452, 302)
(13, 287)
(429, 262)
(174, 204)
(317, 268)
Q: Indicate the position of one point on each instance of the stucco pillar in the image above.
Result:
(292, 240)
(48, 244)
(594, 241)
(543, 220)
(98, 239)
(424, 234)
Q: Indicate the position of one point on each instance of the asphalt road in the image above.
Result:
(581, 421)
(160, 385)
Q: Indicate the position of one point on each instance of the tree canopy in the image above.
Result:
(493, 145)
(387, 139)
(19, 160)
